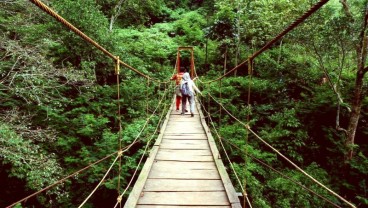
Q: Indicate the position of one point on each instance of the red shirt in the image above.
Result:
(177, 77)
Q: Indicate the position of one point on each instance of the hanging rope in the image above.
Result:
(117, 72)
(250, 73)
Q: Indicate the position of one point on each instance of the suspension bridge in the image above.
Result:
(184, 167)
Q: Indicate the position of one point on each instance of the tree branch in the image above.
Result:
(346, 9)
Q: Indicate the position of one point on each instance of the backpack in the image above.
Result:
(185, 89)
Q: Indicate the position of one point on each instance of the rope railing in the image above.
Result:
(283, 156)
(259, 161)
(283, 175)
(102, 180)
(141, 159)
(60, 19)
(61, 180)
(124, 149)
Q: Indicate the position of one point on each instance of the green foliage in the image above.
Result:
(59, 107)
(27, 161)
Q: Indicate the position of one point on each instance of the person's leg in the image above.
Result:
(191, 102)
(183, 104)
(178, 99)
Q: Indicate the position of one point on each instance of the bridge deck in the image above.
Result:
(183, 169)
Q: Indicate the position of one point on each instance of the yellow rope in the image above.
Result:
(117, 72)
(250, 73)
(220, 99)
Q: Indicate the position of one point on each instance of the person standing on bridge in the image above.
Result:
(177, 77)
(188, 89)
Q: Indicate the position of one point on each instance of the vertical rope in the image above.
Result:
(117, 72)
(208, 106)
(148, 85)
(166, 87)
(221, 101)
(191, 64)
(250, 73)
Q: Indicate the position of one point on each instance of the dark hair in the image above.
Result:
(182, 69)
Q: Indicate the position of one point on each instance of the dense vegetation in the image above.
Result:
(59, 107)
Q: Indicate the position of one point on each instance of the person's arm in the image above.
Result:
(196, 89)
(173, 77)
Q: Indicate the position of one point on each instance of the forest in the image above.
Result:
(64, 105)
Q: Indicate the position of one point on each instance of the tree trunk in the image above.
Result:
(359, 82)
(355, 113)
(114, 16)
(225, 60)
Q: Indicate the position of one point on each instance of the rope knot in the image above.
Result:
(117, 66)
(119, 199)
(120, 153)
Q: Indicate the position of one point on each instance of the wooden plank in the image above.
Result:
(187, 131)
(164, 165)
(185, 127)
(166, 185)
(184, 144)
(191, 158)
(185, 136)
(230, 190)
(170, 206)
(184, 198)
(184, 170)
(192, 152)
(185, 155)
(184, 174)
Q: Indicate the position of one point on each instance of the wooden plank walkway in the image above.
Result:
(183, 169)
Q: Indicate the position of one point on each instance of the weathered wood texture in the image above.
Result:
(183, 169)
